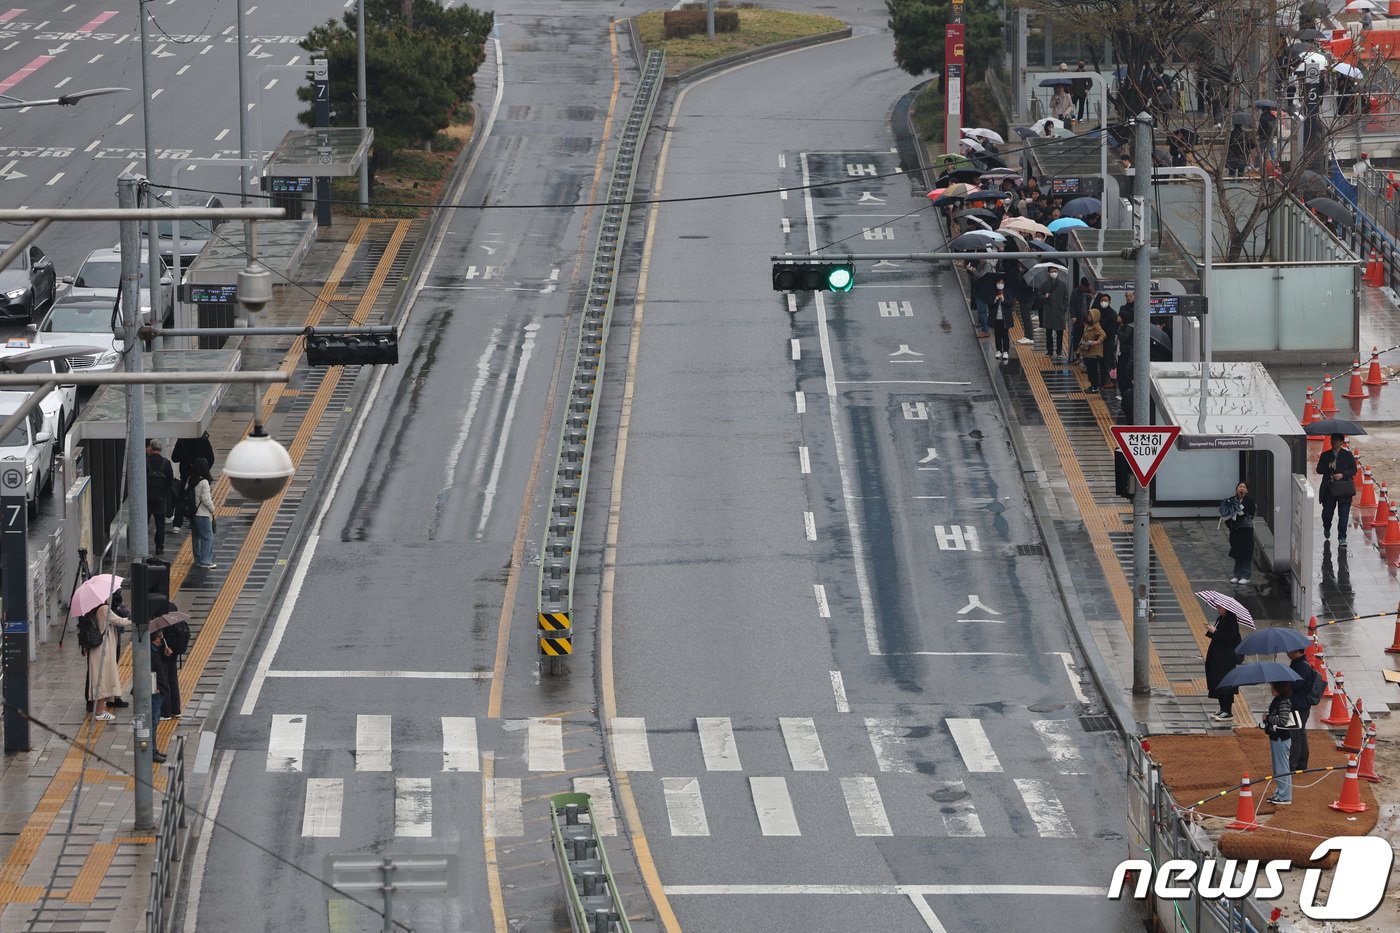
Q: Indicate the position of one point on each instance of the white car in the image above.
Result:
(100, 276)
(60, 407)
(32, 444)
(85, 322)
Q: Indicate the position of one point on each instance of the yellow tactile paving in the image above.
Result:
(21, 855)
(94, 869)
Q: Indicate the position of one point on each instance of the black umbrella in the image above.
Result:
(1025, 132)
(1056, 82)
(1333, 210)
(1298, 48)
(1242, 118)
(1042, 246)
(988, 195)
(1081, 207)
(1307, 35)
(1329, 426)
(1161, 346)
(980, 213)
(973, 241)
(1309, 185)
(964, 175)
(1265, 104)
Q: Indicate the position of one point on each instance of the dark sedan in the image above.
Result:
(27, 285)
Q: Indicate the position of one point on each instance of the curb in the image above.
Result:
(738, 58)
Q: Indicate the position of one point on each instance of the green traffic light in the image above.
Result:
(840, 278)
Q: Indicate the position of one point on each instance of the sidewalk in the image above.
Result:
(101, 872)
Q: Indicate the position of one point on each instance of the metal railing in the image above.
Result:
(594, 904)
(1159, 832)
(570, 478)
(170, 839)
(1376, 222)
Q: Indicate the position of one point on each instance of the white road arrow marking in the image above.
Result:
(160, 52)
(553, 281)
(490, 250)
(932, 456)
(62, 47)
(973, 602)
(867, 197)
(257, 53)
(9, 175)
(905, 351)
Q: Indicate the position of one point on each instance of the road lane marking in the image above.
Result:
(201, 850)
(285, 742)
(960, 817)
(413, 808)
(503, 813)
(783, 193)
(796, 348)
(804, 746)
(629, 744)
(157, 92)
(823, 607)
(838, 688)
(773, 805)
(926, 912)
(96, 58)
(809, 525)
(501, 431)
(717, 743)
(900, 382)
(221, 134)
(54, 180)
(374, 742)
(1058, 742)
(16, 77)
(684, 806)
(545, 744)
(804, 458)
(459, 746)
(800, 398)
(887, 739)
(123, 120)
(600, 803)
(325, 798)
(973, 745)
(182, 69)
(863, 803)
(1045, 809)
(393, 675)
(92, 24)
(782, 160)
(1073, 678)
(63, 82)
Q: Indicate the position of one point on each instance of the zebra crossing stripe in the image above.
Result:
(413, 807)
(803, 744)
(959, 815)
(868, 817)
(887, 738)
(545, 745)
(1045, 809)
(1058, 742)
(773, 805)
(503, 815)
(717, 743)
(629, 743)
(373, 742)
(459, 750)
(325, 798)
(286, 742)
(684, 806)
(974, 746)
(599, 789)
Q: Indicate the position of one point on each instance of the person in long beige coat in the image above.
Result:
(104, 681)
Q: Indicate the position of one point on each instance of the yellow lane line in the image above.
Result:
(488, 841)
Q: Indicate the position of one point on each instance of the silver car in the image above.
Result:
(100, 276)
(87, 322)
(32, 444)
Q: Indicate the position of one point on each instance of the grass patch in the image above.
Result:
(409, 186)
(757, 28)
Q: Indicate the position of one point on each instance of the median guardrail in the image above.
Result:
(594, 904)
(570, 479)
(170, 839)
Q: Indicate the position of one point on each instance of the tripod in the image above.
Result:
(84, 572)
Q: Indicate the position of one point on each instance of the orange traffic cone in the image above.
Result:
(1356, 389)
(1350, 801)
(1375, 272)
(1337, 715)
(1382, 516)
(1366, 767)
(1310, 412)
(1329, 404)
(1315, 659)
(1356, 478)
(1368, 490)
(1245, 817)
(1392, 530)
(1374, 376)
(1356, 733)
(1395, 646)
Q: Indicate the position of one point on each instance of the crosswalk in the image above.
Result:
(1039, 753)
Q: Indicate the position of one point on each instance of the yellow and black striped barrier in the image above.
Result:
(555, 622)
(556, 645)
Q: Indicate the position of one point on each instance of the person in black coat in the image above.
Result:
(160, 490)
(187, 451)
(165, 663)
(1241, 525)
(1221, 659)
(1337, 467)
(1298, 664)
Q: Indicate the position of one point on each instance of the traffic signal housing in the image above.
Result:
(355, 349)
(813, 276)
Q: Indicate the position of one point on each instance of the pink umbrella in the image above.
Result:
(93, 593)
(1226, 604)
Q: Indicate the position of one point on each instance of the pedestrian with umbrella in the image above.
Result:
(1337, 467)
(1237, 512)
(1222, 656)
(1279, 724)
(97, 625)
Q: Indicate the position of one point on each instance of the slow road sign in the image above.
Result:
(1145, 446)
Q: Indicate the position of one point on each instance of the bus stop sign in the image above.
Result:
(1145, 446)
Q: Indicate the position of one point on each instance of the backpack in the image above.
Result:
(1316, 688)
(177, 637)
(89, 635)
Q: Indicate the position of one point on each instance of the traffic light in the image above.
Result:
(813, 276)
(351, 349)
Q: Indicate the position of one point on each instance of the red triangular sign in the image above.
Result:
(1145, 447)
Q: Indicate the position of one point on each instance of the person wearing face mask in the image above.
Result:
(1036, 306)
(1108, 318)
(1054, 302)
(1091, 349)
(999, 312)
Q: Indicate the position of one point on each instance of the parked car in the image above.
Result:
(193, 235)
(60, 406)
(84, 321)
(27, 286)
(32, 444)
(100, 276)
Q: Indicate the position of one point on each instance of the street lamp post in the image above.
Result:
(1142, 396)
(361, 102)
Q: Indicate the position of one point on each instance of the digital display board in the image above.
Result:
(212, 294)
(290, 184)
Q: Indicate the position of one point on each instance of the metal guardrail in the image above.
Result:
(570, 480)
(170, 833)
(594, 904)
(1377, 222)
(1157, 833)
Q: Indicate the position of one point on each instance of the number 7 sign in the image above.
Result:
(1145, 446)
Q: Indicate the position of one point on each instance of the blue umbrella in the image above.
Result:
(1274, 641)
(1259, 672)
(1056, 82)
(1081, 207)
(1065, 223)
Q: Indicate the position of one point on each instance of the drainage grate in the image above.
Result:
(1096, 723)
(1030, 550)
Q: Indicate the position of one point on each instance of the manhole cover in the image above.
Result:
(1045, 707)
(950, 795)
